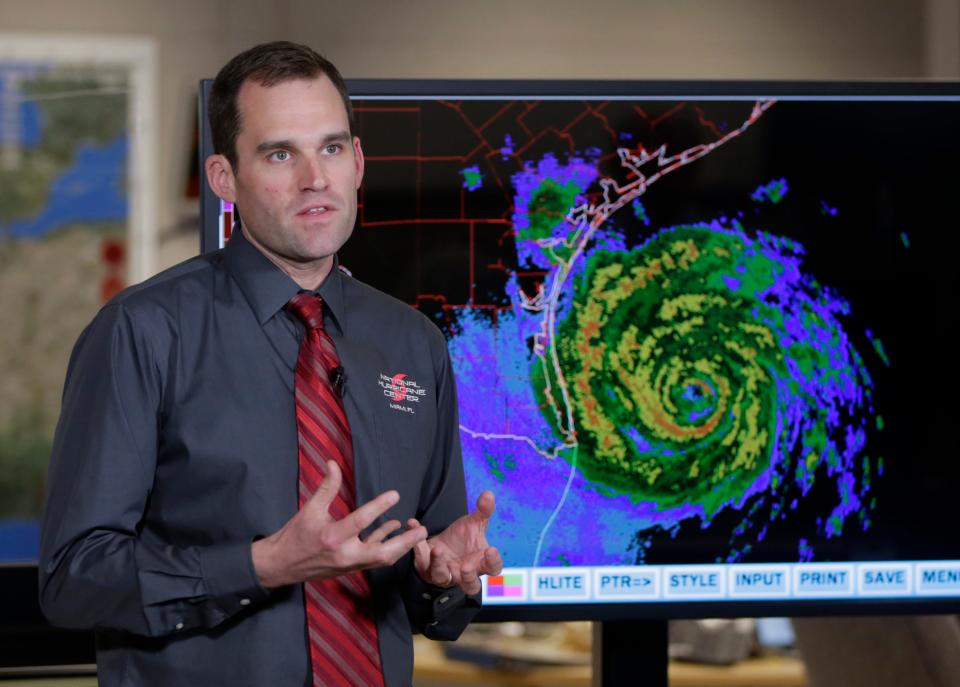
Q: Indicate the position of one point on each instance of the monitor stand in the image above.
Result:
(630, 652)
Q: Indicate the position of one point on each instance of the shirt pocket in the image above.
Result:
(405, 442)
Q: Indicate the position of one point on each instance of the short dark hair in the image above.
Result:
(267, 64)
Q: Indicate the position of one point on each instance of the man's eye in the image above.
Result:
(280, 156)
(333, 149)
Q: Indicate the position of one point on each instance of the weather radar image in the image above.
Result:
(706, 332)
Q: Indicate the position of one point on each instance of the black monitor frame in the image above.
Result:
(29, 645)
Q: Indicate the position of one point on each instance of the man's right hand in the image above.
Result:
(313, 544)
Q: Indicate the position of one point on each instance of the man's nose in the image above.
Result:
(313, 175)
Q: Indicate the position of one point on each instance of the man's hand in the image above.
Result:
(312, 544)
(460, 554)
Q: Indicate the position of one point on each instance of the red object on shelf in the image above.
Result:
(113, 252)
(110, 287)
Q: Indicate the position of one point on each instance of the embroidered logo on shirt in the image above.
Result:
(401, 390)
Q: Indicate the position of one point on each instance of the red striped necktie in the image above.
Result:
(343, 636)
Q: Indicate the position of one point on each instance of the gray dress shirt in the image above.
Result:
(177, 448)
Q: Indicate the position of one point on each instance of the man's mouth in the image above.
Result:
(315, 210)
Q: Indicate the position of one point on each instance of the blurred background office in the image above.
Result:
(177, 42)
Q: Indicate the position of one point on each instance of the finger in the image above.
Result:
(328, 488)
(391, 550)
(453, 576)
(492, 561)
(364, 516)
(486, 503)
(469, 581)
(382, 532)
(430, 557)
(421, 552)
(442, 566)
(421, 559)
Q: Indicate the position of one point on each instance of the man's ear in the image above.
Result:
(358, 160)
(221, 178)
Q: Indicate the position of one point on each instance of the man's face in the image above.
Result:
(298, 171)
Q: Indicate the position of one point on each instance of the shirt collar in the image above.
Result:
(268, 288)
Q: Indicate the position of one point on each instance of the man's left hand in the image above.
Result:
(460, 554)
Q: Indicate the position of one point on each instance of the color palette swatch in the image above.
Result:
(505, 585)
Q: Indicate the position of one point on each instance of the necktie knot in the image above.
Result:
(308, 307)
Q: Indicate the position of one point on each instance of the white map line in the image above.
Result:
(549, 455)
(556, 511)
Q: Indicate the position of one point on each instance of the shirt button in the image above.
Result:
(444, 599)
(178, 626)
(426, 596)
(244, 602)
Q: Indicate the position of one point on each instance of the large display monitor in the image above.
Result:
(703, 333)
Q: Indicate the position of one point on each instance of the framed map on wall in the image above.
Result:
(77, 170)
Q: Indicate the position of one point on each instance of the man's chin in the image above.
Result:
(316, 259)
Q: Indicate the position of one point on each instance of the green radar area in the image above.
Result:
(675, 370)
(549, 204)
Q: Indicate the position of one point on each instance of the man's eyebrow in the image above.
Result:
(274, 145)
(335, 137)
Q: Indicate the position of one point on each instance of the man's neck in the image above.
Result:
(307, 275)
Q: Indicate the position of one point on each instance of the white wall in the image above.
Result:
(942, 34)
(821, 39)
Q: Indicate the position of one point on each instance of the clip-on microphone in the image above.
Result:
(336, 378)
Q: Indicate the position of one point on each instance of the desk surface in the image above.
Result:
(433, 669)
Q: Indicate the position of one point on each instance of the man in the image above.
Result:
(223, 422)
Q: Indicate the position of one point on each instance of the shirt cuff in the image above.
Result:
(441, 600)
(231, 581)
